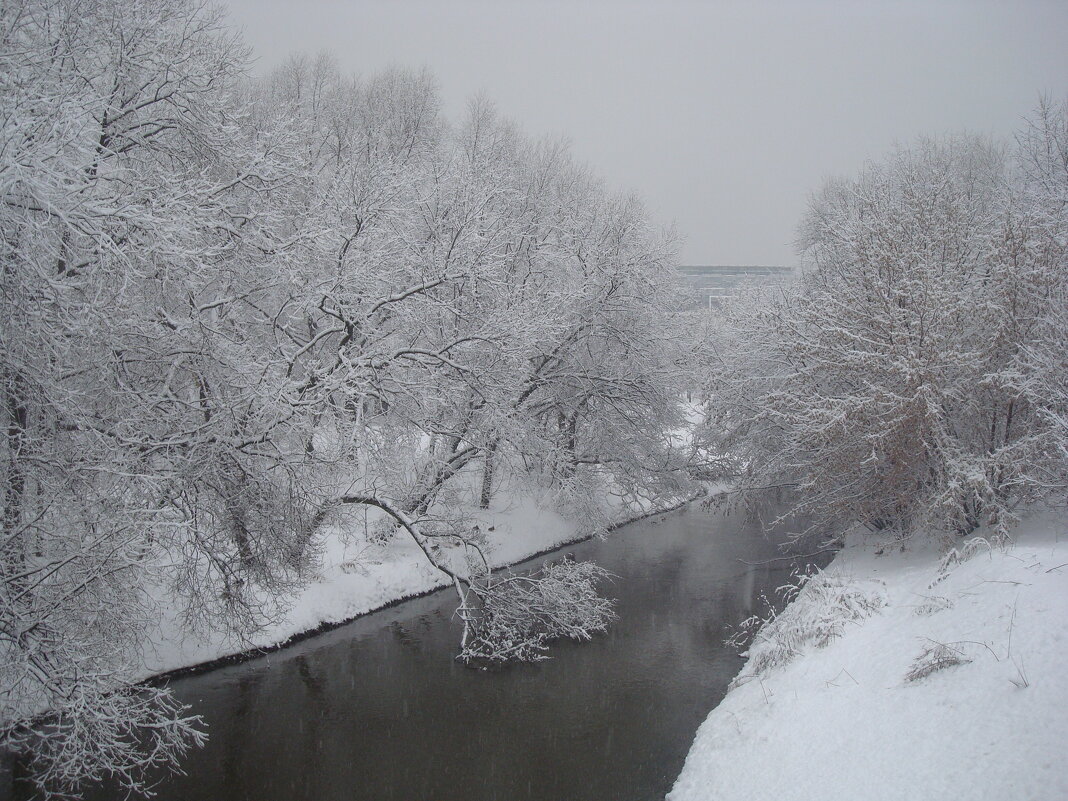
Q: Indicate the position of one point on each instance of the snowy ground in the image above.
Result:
(357, 577)
(936, 678)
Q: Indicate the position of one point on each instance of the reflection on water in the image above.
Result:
(378, 709)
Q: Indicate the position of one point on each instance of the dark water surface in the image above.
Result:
(379, 709)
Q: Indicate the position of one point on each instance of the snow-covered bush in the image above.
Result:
(969, 548)
(935, 657)
(821, 605)
(932, 605)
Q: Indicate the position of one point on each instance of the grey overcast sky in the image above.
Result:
(722, 116)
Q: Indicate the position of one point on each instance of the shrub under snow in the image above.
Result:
(822, 605)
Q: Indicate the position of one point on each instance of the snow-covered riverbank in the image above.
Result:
(904, 674)
(357, 576)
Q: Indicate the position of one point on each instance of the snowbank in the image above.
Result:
(921, 677)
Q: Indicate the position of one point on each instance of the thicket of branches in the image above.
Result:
(916, 375)
(229, 308)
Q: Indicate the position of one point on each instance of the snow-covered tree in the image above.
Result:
(118, 155)
(230, 308)
(1042, 202)
(891, 387)
(527, 330)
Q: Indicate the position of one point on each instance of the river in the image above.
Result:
(379, 709)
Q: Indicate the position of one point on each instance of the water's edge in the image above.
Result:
(379, 710)
(327, 626)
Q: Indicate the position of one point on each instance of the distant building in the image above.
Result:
(714, 285)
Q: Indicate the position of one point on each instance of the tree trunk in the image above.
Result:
(15, 484)
(488, 470)
(569, 428)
